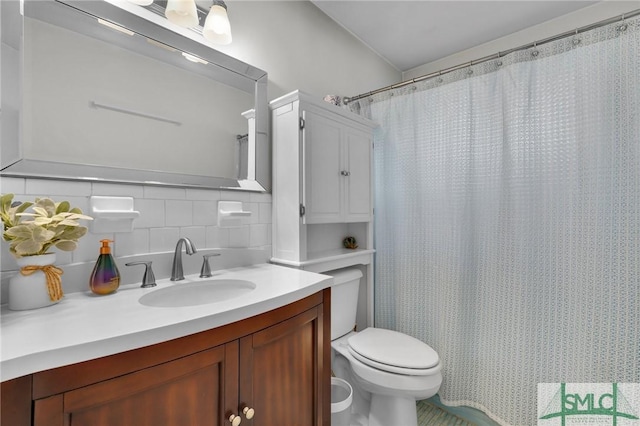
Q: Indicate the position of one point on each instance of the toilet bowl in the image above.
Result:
(388, 370)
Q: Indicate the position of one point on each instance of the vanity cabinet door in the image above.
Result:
(187, 391)
(280, 373)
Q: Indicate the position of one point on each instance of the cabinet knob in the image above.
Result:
(345, 173)
(235, 420)
(248, 412)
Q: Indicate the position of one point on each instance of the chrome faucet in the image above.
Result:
(176, 270)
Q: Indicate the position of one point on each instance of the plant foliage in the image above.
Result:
(47, 225)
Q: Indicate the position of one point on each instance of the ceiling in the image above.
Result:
(412, 33)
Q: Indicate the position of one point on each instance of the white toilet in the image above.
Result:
(389, 371)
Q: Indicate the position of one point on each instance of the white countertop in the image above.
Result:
(84, 326)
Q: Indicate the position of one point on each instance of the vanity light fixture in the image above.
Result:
(161, 45)
(142, 2)
(217, 28)
(115, 27)
(195, 59)
(189, 13)
(182, 13)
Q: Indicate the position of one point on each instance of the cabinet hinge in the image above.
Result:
(301, 123)
(302, 210)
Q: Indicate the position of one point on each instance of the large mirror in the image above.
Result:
(109, 91)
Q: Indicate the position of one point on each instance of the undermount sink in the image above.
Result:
(190, 293)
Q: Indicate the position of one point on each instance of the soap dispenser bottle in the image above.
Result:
(105, 278)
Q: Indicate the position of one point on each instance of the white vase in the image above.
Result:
(31, 292)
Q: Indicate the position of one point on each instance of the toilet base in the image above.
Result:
(392, 411)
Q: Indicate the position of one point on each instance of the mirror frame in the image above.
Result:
(229, 71)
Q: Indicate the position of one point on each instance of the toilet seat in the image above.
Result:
(393, 352)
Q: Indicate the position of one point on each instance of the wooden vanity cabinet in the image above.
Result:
(276, 365)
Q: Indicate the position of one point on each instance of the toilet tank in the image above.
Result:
(344, 300)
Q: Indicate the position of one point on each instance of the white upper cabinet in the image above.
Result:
(322, 186)
(328, 149)
(337, 169)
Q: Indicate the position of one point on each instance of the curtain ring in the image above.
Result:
(623, 25)
(535, 52)
(576, 41)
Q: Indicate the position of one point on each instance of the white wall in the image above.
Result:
(571, 21)
(301, 49)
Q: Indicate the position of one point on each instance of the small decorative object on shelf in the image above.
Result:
(31, 235)
(350, 243)
(333, 99)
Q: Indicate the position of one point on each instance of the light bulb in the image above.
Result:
(115, 27)
(217, 28)
(195, 59)
(182, 12)
(141, 2)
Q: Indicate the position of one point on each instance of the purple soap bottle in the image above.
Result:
(105, 278)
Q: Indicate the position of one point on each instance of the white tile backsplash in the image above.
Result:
(12, 185)
(178, 213)
(56, 188)
(162, 193)
(163, 239)
(265, 212)
(152, 213)
(197, 235)
(89, 247)
(239, 237)
(116, 190)
(203, 194)
(255, 212)
(205, 213)
(131, 243)
(259, 235)
(166, 214)
(217, 237)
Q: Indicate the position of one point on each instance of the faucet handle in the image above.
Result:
(205, 271)
(148, 279)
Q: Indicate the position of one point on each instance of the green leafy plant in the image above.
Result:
(47, 225)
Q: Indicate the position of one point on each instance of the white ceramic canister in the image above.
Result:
(31, 292)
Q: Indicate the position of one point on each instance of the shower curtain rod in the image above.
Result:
(620, 18)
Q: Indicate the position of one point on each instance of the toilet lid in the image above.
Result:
(392, 351)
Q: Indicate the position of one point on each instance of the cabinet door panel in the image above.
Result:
(15, 402)
(358, 194)
(49, 412)
(322, 186)
(187, 391)
(279, 378)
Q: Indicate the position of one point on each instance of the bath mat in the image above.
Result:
(431, 415)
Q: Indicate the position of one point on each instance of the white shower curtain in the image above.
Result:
(508, 219)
